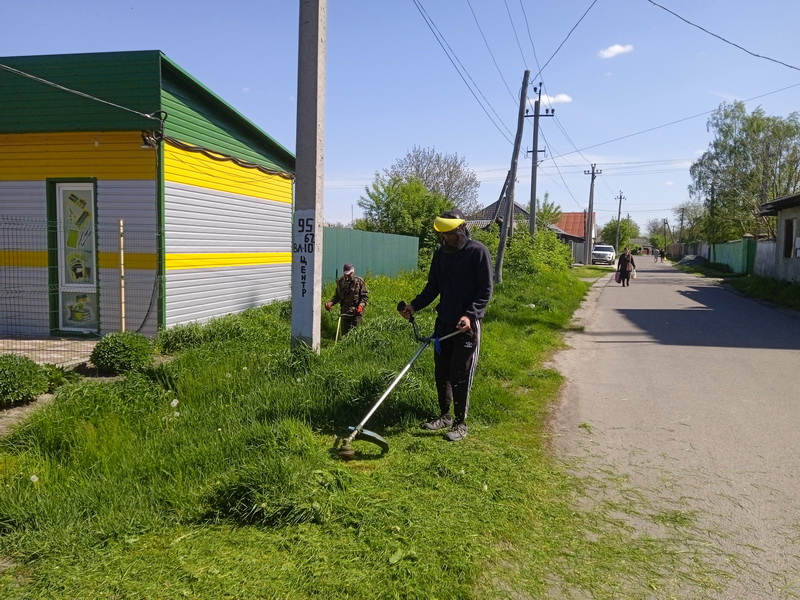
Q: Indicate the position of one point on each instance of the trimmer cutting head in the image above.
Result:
(347, 452)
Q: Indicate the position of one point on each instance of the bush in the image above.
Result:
(20, 379)
(58, 376)
(121, 352)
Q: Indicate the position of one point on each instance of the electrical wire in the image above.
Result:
(530, 37)
(574, 27)
(453, 59)
(719, 37)
(478, 24)
(516, 37)
(153, 115)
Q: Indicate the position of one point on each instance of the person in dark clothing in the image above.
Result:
(352, 295)
(625, 266)
(461, 276)
(663, 254)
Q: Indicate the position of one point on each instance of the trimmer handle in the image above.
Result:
(400, 308)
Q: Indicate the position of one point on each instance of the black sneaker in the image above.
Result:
(442, 422)
(457, 432)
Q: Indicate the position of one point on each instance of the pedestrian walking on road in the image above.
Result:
(663, 254)
(655, 254)
(625, 265)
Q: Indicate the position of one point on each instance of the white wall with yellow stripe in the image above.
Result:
(227, 230)
(227, 236)
(125, 177)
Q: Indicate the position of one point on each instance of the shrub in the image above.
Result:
(121, 352)
(20, 379)
(58, 376)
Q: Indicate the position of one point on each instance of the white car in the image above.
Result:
(604, 254)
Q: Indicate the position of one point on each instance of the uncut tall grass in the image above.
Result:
(214, 474)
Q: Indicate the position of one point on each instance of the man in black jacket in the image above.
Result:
(461, 276)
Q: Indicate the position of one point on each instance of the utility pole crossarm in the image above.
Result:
(535, 157)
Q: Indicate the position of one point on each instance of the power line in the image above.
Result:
(448, 51)
(530, 37)
(719, 37)
(565, 39)
(474, 16)
(516, 37)
(156, 116)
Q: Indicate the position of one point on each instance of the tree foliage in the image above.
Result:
(401, 206)
(526, 255)
(547, 213)
(627, 231)
(444, 174)
(690, 217)
(753, 158)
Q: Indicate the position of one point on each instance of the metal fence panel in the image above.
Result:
(371, 253)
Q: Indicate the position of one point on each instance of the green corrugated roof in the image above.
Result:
(141, 81)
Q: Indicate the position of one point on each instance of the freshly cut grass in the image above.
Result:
(214, 475)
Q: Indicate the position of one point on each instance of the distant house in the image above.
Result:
(204, 196)
(787, 242)
(574, 225)
(495, 212)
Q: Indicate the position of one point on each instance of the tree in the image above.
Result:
(753, 158)
(443, 174)
(403, 207)
(547, 213)
(654, 227)
(690, 216)
(627, 231)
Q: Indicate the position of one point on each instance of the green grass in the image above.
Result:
(214, 475)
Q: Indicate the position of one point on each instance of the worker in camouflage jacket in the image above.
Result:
(351, 294)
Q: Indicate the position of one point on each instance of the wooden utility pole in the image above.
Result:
(587, 250)
(307, 226)
(512, 175)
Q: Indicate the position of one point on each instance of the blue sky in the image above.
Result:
(631, 84)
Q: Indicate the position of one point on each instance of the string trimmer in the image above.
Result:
(346, 450)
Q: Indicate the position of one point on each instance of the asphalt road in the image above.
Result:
(693, 392)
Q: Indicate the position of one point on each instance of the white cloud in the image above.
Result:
(557, 99)
(245, 90)
(615, 50)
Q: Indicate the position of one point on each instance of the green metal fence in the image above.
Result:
(371, 253)
(739, 255)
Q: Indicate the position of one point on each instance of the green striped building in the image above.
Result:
(204, 197)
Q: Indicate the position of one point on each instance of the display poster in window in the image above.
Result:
(78, 299)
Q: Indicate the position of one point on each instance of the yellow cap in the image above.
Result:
(443, 225)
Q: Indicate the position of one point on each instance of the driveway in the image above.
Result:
(693, 393)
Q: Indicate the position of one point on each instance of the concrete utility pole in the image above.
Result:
(619, 215)
(535, 157)
(590, 218)
(307, 232)
(512, 175)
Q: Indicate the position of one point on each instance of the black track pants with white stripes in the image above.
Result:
(454, 367)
